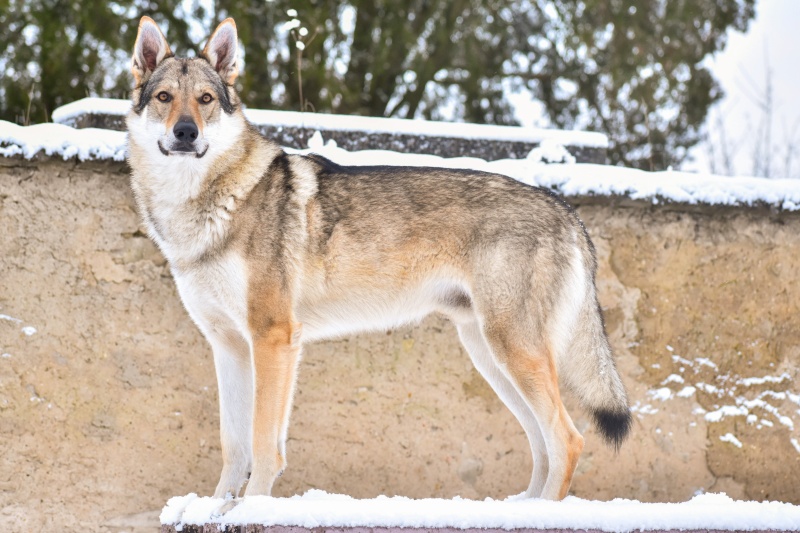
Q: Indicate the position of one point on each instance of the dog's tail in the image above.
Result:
(584, 359)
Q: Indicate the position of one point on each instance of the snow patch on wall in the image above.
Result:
(733, 395)
(730, 437)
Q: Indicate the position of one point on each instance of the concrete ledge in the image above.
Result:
(293, 130)
(255, 528)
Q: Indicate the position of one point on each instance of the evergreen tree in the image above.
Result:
(631, 69)
(53, 52)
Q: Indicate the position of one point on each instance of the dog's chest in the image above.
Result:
(215, 292)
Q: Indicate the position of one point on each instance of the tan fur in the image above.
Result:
(270, 250)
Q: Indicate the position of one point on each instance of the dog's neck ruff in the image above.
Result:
(188, 202)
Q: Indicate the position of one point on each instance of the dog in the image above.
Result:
(270, 250)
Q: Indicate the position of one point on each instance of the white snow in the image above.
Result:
(29, 330)
(646, 409)
(550, 151)
(91, 106)
(747, 382)
(589, 179)
(10, 319)
(752, 405)
(681, 360)
(730, 437)
(703, 361)
(708, 389)
(317, 509)
(663, 394)
(724, 411)
(60, 140)
(323, 121)
(795, 444)
(673, 378)
(567, 179)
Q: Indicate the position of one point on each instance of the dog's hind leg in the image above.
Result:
(235, 382)
(481, 355)
(531, 367)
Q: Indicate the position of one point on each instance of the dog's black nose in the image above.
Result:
(185, 130)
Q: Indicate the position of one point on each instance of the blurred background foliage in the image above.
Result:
(631, 69)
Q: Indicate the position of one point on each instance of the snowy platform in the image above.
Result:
(293, 129)
(320, 512)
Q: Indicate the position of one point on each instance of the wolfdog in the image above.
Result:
(270, 250)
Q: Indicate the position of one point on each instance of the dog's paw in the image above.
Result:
(227, 506)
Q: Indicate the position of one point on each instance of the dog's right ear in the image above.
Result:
(151, 48)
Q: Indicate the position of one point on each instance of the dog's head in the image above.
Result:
(182, 107)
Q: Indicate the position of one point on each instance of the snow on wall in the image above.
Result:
(568, 179)
(752, 398)
(91, 106)
(59, 140)
(318, 509)
(323, 121)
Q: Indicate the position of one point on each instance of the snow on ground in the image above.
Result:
(569, 179)
(318, 509)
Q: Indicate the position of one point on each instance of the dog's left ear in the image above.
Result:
(222, 49)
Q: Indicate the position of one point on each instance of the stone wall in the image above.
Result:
(291, 134)
(109, 407)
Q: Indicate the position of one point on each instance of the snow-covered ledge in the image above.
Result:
(318, 511)
(549, 165)
(293, 129)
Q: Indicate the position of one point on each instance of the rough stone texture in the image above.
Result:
(487, 149)
(110, 407)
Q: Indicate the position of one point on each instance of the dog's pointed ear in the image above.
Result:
(151, 48)
(222, 50)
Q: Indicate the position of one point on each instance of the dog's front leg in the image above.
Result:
(235, 382)
(275, 355)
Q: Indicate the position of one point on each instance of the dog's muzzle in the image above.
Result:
(184, 140)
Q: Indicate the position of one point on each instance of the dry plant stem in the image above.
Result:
(300, 77)
(303, 103)
(27, 118)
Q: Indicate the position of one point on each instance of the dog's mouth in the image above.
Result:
(183, 148)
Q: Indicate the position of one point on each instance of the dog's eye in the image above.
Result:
(206, 98)
(163, 96)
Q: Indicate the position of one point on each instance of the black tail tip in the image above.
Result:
(614, 426)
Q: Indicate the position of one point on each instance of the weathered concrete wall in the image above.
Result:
(109, 408)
